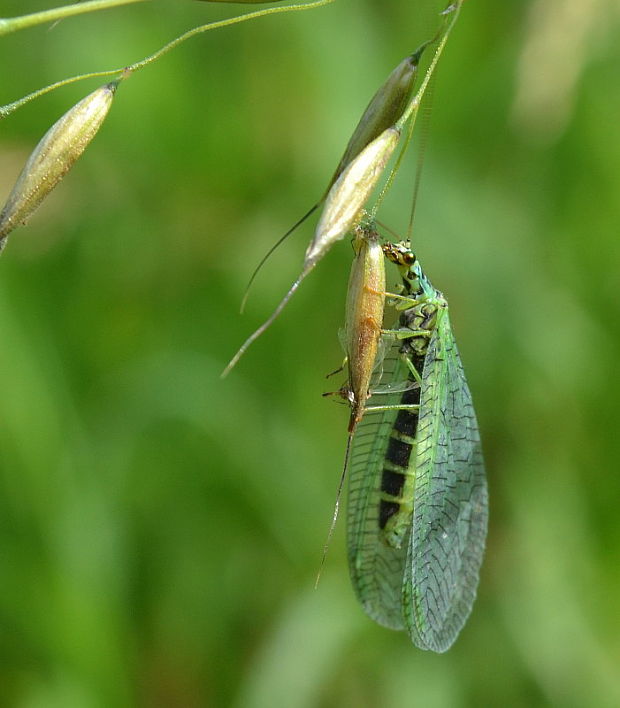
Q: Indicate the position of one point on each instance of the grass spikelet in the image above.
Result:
(383, 111)
(346, 199)
(364, 317)
(54, 156)
(343, 209)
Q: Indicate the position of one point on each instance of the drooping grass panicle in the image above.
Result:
(383, 110)
(343, 209)
(349, 193)
(352, 188)
(54, 156)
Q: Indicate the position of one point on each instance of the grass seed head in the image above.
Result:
(384, 109)
(346, 199)
(54, 156)
(364, 317)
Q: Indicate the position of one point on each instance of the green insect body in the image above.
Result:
(418, 509)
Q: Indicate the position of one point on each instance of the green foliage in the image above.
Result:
(161, 529)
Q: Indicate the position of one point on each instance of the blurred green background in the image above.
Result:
(160, 529)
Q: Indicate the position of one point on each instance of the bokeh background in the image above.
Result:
(161, 529)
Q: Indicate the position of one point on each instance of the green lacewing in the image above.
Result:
(417, 500)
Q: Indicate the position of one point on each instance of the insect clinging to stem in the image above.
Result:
(418, 507)
(368, 153)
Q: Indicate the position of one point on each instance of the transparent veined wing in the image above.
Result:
(376, 569)
(450, 502)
